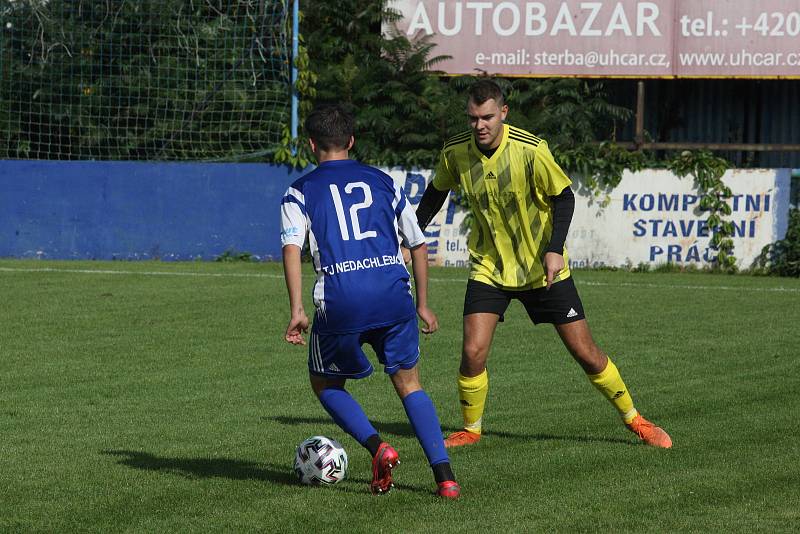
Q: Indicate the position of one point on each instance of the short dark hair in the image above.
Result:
(483, 90)
(330, 126)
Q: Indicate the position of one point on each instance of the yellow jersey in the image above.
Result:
(508, 194)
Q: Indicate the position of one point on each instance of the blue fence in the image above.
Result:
(137, 211)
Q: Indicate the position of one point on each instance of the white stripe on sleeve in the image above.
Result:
(410, 231)
(294, 225)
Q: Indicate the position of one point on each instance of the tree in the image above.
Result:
(127, 79)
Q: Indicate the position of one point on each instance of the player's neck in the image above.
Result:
(332, 155)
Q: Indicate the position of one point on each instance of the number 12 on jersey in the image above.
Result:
(337, 202)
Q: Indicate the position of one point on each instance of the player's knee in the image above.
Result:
(407, 389)
(592, 359)
(320, 383)
(474, 353)
(406, 381)
(473, 363)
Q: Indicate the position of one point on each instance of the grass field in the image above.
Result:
(160, 397)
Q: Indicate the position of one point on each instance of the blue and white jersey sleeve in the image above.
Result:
(294, 223)
(407, 227)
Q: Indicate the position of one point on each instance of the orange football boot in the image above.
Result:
(462, 437)
(649, 433)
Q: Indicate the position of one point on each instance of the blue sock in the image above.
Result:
(425, 423)
(347, 413)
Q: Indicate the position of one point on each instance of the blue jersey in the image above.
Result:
(355, 219)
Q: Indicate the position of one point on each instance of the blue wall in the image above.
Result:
(137, 211)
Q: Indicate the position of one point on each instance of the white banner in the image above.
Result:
(653, 217)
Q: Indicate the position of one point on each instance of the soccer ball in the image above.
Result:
(320, 461)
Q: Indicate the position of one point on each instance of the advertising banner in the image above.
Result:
(656, 38)
(652, 217)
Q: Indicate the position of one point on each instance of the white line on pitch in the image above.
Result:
(432, 279)
(143, 273)
(779, 289)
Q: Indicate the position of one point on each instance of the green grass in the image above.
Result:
(169, 402)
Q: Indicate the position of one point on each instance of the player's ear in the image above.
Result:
(351, 142)
(313, 145)
(503, 112)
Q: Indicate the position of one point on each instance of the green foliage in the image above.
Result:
(782, 258)
(677, 268)
(707, 171)
(601, 164)
(232, 256)
(135, 80)
(403, 109)
(568, 112)
(296, 152)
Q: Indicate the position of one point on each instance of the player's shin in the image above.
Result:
(610, 384)
(422, 416)
(348, 414)
(472, 393)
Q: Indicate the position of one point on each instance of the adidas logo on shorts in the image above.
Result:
(333, 367)
(572, 313)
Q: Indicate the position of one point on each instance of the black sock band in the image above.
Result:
(442, 472)
(372, 444)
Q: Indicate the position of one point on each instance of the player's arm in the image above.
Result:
(430, 204)
(434, 197)
(294, 227)
(419, 263)
(551, 179)
(444, 179)
(432, 201)
(413, 239)
(563, 209)
(292, 272)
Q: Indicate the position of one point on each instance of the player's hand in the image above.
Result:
(553, 263)
(406, 255)
(297, 325)
(429, 318)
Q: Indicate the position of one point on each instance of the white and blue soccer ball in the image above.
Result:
(320, 461)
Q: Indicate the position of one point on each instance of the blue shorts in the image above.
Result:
(340, 355)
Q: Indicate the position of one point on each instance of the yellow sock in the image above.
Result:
(609, 383)
(472, 395)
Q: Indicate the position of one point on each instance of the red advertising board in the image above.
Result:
(625, 38)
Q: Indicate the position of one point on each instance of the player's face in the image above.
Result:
(486, 121)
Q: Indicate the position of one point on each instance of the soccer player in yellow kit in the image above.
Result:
(522, 206)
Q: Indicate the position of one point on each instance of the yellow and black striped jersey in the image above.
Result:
(508, 194)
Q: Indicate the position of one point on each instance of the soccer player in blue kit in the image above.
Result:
(355, 219)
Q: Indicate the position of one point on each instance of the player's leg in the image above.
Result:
(397, 348)
(562, 306)
(345, 411)
(331, 360)
(425, 422)
(605, 376)
(484, 306)
(473, 377)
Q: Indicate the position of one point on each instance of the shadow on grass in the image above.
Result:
(206, 467)
(194, 468)
(404, 429)
(397, 429)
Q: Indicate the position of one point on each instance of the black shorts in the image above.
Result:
(558, 305)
